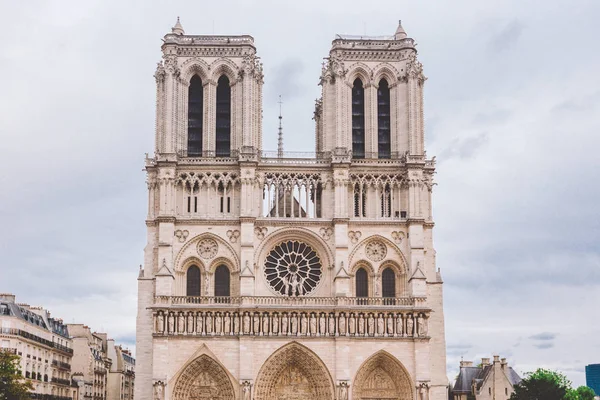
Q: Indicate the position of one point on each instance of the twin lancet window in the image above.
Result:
(384, 145)
(388, 283)
(196, 118)
(221, 282)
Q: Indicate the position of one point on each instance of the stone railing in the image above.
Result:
(293, 323)
(288, 302)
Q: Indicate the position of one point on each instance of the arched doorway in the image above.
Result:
(294, 373)
(203, 378)
(382, 377)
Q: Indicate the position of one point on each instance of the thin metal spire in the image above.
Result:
(280, 134)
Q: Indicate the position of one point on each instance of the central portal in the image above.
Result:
(294, 373)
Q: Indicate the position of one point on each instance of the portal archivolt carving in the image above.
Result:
(204, 379)
(382, 377)
(294, 373)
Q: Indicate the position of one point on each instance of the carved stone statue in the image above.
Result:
(399, 325)
(236, 323)
(275, 324)
(343, 391)
(209, 323)
(199, 323)
(180, 323)
(246, 391)
(160, 323)
(284, 324)
(371, 325)
(322, 324)
(171, 323)
(380, 325)
(246, 324)
(256, 323)
(265, 324)
(422, 325)
(361, 324)
(351, 324)
(218, 324)
(303, 324)
(331, 324)
(159, 392)
(410, 325)
(190, 323)
(313, 324)
(227, 324)
(390, 325)
(342, 324)
(294, 324)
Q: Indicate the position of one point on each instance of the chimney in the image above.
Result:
(485, 362)
(503, 363)
(496, 359)
(466, 364)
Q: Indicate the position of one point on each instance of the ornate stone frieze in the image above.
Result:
(398, 236)
(326, 233)
(366, 324)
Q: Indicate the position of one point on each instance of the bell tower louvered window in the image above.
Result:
(223, 139)
(193, 281)
(222, 281)
(358, 119)
(195, 116)
(383, 120)
(362, 283)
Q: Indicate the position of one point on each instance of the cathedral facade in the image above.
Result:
(288, 276)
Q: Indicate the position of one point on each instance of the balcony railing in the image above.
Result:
(39, 396)
(290, 302)
(27, 335)
(61, 381)
(61, 365)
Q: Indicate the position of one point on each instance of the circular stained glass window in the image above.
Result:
(293, 268)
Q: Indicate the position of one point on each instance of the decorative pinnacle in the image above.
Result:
(400, 32)
(178, 29)
(280, 134)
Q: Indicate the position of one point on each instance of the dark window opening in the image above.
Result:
(189, 202)
(223, 140)
(228, 204)
(195, 116)
(386, 202)
(358, 119)
(384, 145)
(193, 281)
(362, 283)
(402, 214)
(388, 283)
(221, 201)
(222, 281)
(195, 203)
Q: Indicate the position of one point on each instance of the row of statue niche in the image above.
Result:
(275, 324)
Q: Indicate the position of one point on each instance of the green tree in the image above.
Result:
(12, 385)
(581, 393)
(542, 384)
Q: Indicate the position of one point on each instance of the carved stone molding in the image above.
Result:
(208, 248)
(233, 235)
(181, 235)
(354, 236)
(382, 377)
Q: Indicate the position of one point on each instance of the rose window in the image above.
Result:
(293, 268)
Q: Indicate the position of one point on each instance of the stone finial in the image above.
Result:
(400, 32)
(178, 29)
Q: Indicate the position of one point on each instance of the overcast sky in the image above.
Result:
(512, 114)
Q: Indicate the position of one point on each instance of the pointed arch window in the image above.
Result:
(386, 202)
(222, 281)
(195, 116)
(384, 145)
(360, 201)
(362, 283)
(358, 119)
(388, 283)
(223, 139)
(193, 281)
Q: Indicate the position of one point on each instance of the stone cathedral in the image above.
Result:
(284, 276)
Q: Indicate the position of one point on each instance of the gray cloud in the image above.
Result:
(464, 148)
(507, 36)
(544, 336)
(544, 346)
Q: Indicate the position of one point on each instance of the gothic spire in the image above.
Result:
(400, 32)
(280, 134)
(178, 29)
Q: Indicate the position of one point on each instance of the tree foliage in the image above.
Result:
(542, 384)
(581, 393)
(12, 385)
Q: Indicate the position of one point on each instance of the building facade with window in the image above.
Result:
(273, 275)
(486, 381)
(121, 374)
(44, 346)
